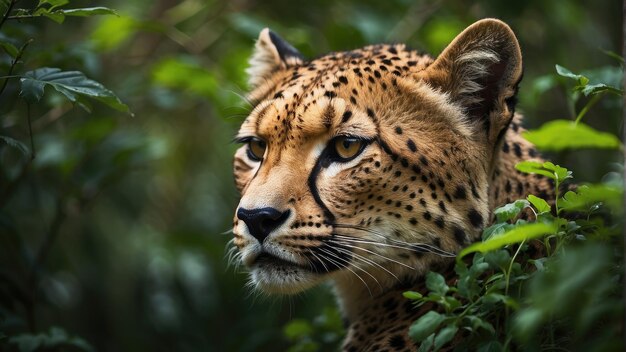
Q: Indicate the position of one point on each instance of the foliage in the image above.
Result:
(323, 333)
(509, 297)
(113, 228)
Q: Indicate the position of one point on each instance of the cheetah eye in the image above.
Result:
(256, 149)
(347, 148)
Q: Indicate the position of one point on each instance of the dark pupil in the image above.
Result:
(347, 143)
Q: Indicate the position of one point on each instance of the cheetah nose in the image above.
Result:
(262, 221)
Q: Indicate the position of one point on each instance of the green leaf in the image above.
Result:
(55, 16)
(533, 167)
(560, 135)
(500, 298)
(89, 11)
(9, 49)
(498, 259)
(72, 84)
(511, 210)
(298, 328)
(427, 344)
(477, 323)
(496, 229)
(426, 325)
(614, 55)
(15, 144)
(587, 196)
(541, 205)
(445, 335)
(53, 3)
(412, 295)
(4, 6)
(562, 71)
(436, 283)
(547, 169)
(592, 89)
(516, 235)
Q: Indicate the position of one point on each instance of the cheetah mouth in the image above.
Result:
(267, 260)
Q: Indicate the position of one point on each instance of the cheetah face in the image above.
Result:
(369, 164)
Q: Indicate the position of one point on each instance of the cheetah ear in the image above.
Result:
(271, 53)
(481, 70)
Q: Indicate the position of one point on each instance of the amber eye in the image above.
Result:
(256, 149)
(347, 148)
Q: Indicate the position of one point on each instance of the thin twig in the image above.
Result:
(13, 64)
(21, 17)
(30, 132)
(5, 16)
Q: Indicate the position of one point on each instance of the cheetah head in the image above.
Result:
(372, 164)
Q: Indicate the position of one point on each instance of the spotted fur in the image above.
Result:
(440, 140)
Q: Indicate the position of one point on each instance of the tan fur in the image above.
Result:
(430, 176)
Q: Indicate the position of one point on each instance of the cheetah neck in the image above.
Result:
(507, 184)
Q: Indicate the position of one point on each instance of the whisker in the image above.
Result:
(374, 253)
(406, 245)
(427, 247)
(366, 260)
(319, 260)
(352, 271)
(348, 262)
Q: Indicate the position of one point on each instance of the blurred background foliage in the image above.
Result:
(116, 231)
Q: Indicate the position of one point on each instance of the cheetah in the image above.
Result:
(370, 167)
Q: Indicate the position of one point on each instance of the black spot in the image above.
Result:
(397, 342)
(413, 221)
(475, 218)
(439, 222)
(517, 150)
(330, 94)
(404, 162)
(370, 113)
(442, 206)
(423, 160)
(459, 235)
(411, 145)
(505, 147)
(343, 79)
(398, 130)
(459, 192)
(427, 215)
(416, 169)
(532, 152)
(507, 186)
(278, 94)
(346, 116)
(409, 207)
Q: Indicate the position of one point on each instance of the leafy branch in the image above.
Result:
(51, 9)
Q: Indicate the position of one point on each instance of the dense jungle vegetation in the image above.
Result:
(116, 194)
